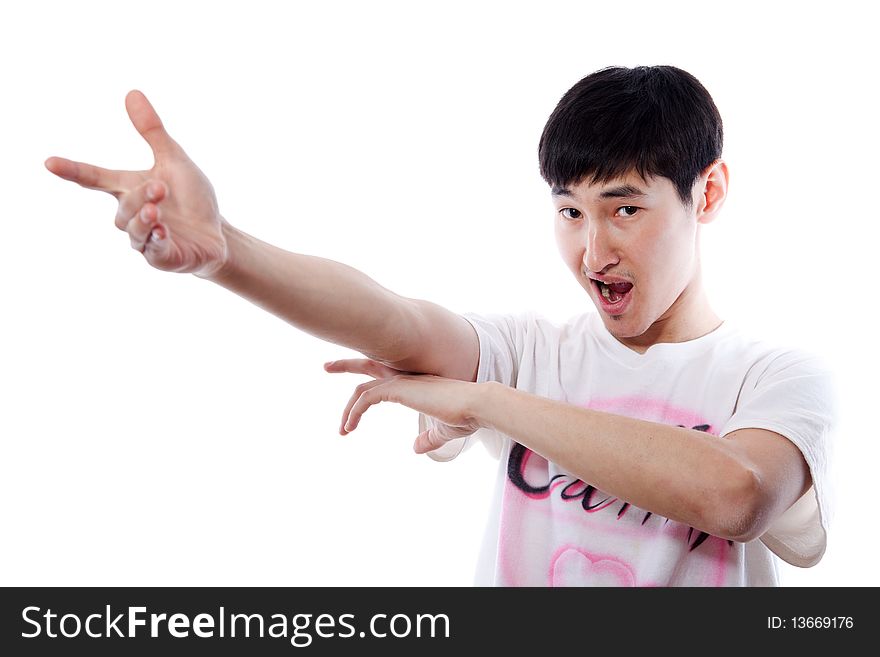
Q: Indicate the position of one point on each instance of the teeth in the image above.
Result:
(606, 292)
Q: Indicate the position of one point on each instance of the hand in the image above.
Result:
(170, 212)
(448, 400)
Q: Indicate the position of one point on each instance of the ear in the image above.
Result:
(711, 191)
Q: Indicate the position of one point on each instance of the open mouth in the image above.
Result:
(612, 293)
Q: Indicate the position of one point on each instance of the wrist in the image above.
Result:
(484, 401)
(224, 268)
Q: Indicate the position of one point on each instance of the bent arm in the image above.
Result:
(682, 474)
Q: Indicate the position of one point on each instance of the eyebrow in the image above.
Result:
(621, 191)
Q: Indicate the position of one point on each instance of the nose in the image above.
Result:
(600, 253)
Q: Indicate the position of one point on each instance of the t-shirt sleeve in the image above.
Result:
(502, 343)
(793, 394)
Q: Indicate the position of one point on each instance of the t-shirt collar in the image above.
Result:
(686, 349)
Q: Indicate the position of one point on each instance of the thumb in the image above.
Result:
(428, 441)
(149, 125)
(435, 434)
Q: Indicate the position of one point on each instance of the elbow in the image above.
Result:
(403, 349)
(742, 517)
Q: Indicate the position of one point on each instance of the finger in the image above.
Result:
(356, 395)
(362, 366)
(87, 175)
(152, 191)
(377, 391)
(425, 442)
(438, 435)
(147, 122)
(360, 407)
(141, 226)
(158, 241)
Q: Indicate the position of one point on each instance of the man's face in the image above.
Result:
(635, 234)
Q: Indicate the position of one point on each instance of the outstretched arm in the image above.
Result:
(172, 216)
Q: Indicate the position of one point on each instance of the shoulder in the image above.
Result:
(769, 357)
(532, 322)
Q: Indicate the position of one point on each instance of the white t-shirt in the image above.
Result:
(548, 528)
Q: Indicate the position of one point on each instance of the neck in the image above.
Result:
(689, 317)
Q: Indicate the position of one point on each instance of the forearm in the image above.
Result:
(682, 474)
(327, 299)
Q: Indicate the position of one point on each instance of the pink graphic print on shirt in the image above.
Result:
(556, 530)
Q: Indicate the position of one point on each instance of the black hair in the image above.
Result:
(655, 120)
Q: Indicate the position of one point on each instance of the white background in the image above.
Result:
(158, 430)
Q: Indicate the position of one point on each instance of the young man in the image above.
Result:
(649, 443)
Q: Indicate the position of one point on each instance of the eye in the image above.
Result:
(570, 213)
(630, 208)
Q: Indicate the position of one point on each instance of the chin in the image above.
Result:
(622, 326)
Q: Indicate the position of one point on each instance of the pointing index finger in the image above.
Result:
(87, 175)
